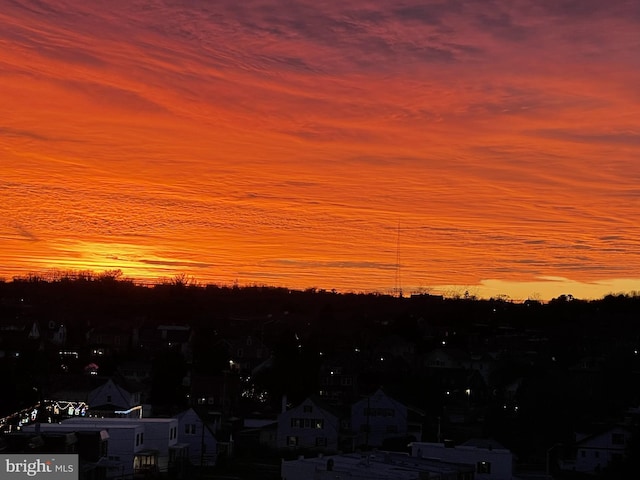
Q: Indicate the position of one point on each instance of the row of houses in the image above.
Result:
(122, 447)
(479, 459)
(378, 420)
(316, 425)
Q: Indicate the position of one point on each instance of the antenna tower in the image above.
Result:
(398, 286)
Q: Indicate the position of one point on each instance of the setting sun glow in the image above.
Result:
(359, 146)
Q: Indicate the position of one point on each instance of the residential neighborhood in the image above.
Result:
(175, 381)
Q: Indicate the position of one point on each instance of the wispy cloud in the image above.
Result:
(264, 142)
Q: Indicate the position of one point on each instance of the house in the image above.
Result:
(257, 434)
(114, 400)
(136, 371)
(446, 358)
(40, 442)
(378, 417)
(68, 394)
(396, 346)
(373, 466)
(339, 377)
(218, 393)
(491, 461)
(125, 450)
(596, 451)
(195, 432)
(311, 425)
(151, 338)
(245, 353)
(106, 340)
(483, 363)
(179, 337)
(153, 447)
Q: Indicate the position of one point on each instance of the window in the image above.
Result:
(483, 467)
(307, 423)
(307, 408)
(108, 398)
(596, 454)
(321, 441)
(617, 438)
(137, 439)
(240, 353)
(292, 441)
(190, 429)
(379, 412)
(583, 453)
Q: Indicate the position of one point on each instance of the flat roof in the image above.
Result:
(381, 464)
(121, 420)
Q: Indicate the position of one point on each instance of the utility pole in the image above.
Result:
(366, 441)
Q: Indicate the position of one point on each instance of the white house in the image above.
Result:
(154, 449)
(595, 452)
(310, 425)
(378, 417)
(125, 443)
(490, 459)
(193, 431)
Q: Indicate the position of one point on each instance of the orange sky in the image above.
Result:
(282, 143)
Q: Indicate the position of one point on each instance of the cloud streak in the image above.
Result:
(223, 138)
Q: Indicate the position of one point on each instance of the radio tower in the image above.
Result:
(398, 286)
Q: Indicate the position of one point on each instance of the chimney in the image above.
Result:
(284, 403)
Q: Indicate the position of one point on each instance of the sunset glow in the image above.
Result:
(493, 147)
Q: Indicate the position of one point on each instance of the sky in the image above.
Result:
(478, 146)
